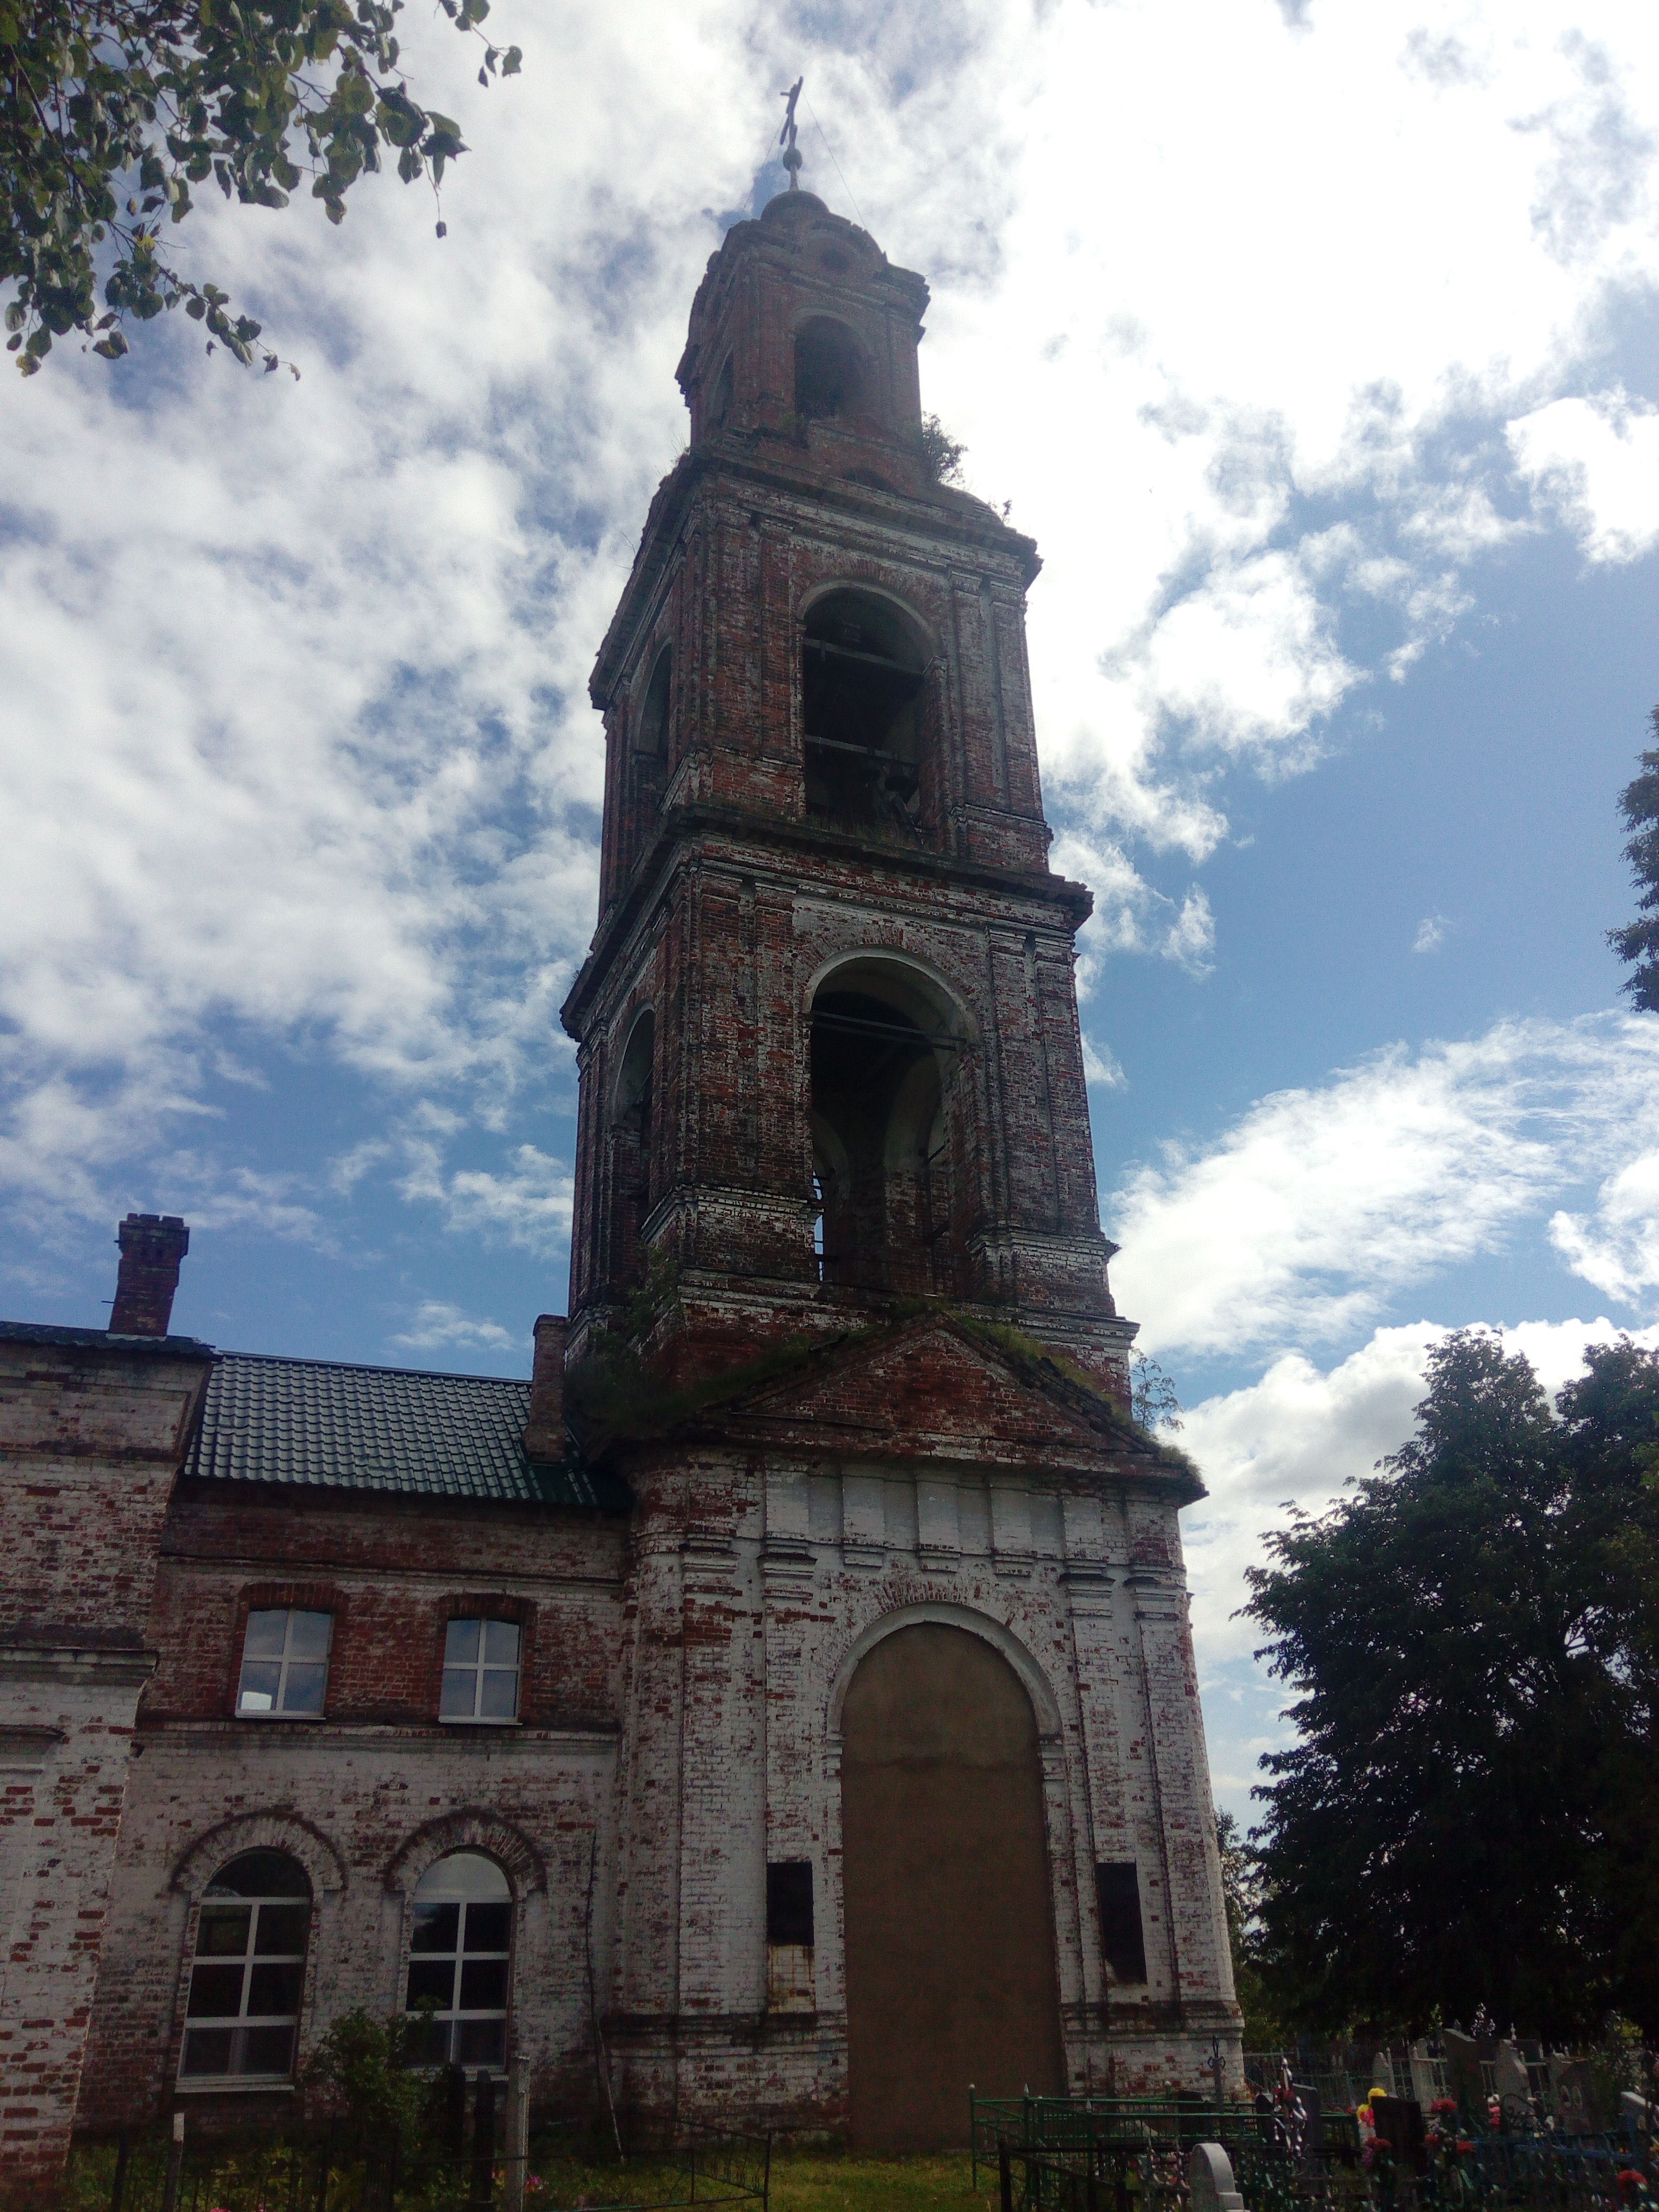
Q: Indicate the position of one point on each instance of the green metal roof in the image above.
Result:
(323, 1426)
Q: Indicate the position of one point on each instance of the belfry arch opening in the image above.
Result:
(862, 670)
(830, 374)
(892, 1145)
(630, 1148)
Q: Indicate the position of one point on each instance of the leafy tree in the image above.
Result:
(112, 110)
(1467, 1814)
(1639, 942)
(1241, 1893)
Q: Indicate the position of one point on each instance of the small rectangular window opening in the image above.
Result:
(790, 1984)
(481, 1671)
(1122, 1939)
(284, 1664)
(789, 1901)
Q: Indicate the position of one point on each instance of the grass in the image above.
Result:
(823, 2181)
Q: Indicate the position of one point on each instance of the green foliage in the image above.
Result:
(359, 2071)
(1155, 1403)
(941, 455)
(1639, 942)
(1241, 1893)
(1469, 1812)
(113, 111)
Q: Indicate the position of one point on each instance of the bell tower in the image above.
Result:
(911, 1787)
(827, 1029)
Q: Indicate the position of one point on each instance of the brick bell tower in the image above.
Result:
(838, 1307)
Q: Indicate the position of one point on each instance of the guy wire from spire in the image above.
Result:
(839, 172)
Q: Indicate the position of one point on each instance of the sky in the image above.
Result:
(1315, 344)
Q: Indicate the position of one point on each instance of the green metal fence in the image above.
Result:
(1129, 2154)
(318, 2167)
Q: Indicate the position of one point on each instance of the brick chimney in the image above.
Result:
(152, 1245)
(544, 1432)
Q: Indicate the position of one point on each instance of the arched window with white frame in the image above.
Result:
(247, 1976)
(460, 1956)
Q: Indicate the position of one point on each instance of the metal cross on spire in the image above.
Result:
(792, 153)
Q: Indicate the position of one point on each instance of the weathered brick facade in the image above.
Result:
(840, 1366)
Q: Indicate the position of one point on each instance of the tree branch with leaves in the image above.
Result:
(1638, 942)
(112, 112)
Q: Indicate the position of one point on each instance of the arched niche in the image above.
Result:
(865, 721)
(893, 1122)
(947, 1892)
(832, 379)
(630, 1146)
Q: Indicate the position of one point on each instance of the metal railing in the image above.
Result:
(323, 2166)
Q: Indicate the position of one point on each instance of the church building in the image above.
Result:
(782, 1706)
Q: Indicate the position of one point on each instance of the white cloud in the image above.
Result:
(1101, 1065)
(1303, 1220)
(438, 1326)
(1616, 1247)
(1129, 915)
(1597, 461)
(1431, 933)
(529, 1204)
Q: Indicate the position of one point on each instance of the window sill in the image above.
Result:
(475, 1721)
(235, 2085)
(280, 1720)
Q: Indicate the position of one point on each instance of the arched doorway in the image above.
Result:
(950, 1922)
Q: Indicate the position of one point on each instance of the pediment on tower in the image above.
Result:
(937, 1386)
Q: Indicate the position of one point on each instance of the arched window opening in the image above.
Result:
(630, 1153)
(249, 1971)
(861, 681)
(651, 738)
(461, 1951)
(890, 1148)
(829, 378)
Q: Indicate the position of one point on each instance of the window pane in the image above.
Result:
(216, 1992)
(483, 1986)
(261, 1681)
(463, 1874)
(265, 1635)
(460, 1688)
(274, 1991)
(488, 1927)
(461, 1643)
(499, 1701)
(303, 1692)
(500, 1642)
(436, 1927)
(267, 2051)
(310, 1635)
(481, 2042)
(222, 1930)
(207, 2050)
(260, 1874)
(431, 1981)
(282, 1931)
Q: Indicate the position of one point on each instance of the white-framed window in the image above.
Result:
(248, 1971)
(481, 1671)
(284, 1664)
(459, 1955)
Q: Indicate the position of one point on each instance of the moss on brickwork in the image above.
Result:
(611, 1395)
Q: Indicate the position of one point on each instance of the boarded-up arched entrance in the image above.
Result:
(950, 1921)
